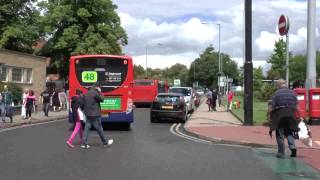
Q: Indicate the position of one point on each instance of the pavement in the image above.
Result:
(36, 117)
(223, 127)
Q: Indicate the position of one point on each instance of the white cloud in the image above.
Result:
(265, 41)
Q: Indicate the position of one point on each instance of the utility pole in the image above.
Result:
(311, 51)
(146, 61)
(248, 95)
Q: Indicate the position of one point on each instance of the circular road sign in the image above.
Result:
(283, 25)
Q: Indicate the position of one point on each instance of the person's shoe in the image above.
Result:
(85, 146)
(70, 144)
(293, 153)
(109, 142)
(280, 155)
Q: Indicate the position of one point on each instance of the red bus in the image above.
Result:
(145, 90)
(115, 76)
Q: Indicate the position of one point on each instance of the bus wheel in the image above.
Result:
(127, 126)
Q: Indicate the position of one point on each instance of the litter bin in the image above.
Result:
(314, 103)
(301, 96)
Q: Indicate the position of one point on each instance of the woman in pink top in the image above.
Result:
(31, 98)
(230, 97)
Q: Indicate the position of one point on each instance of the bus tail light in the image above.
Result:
(129, 106)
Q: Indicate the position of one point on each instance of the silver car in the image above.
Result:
(188, 94)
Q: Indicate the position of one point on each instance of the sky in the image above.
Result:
(176, 31)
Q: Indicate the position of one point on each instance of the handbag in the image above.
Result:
(304, 134)
(82, 116)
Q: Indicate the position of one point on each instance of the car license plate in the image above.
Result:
(167, 107)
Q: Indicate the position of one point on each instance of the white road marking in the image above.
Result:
(29, 125)
(173, 130)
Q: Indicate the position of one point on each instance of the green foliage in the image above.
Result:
(18, 25)
(266, 92)
(139, 72)
(15, 90)
(80, 27)
(278, 61)
(257, 79)
(207, 68)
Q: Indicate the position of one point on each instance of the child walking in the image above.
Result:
(76, 103)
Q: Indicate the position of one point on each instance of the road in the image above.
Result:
(148, 151)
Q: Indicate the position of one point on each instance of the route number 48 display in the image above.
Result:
(89, 76)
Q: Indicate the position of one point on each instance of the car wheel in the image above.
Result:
(152, 119)
(184, 118)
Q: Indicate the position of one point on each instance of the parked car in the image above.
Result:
(200, 92)
(169, 105)
(188, 94)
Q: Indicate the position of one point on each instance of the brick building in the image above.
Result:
(26, 70)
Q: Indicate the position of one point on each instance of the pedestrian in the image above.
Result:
(219, 93)
(92, 111)
(284, 111)
(23, 105)
(55, 100)
(2, 106)
(63, 99)
(230, 97)
(45, 97)
(76, 106)
(214, 100)
(7, 102)
(209, 99)
(31, 98)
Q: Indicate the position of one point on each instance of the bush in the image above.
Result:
(266, 92)
(15, 90)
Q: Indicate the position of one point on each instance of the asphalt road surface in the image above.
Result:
(148, 151)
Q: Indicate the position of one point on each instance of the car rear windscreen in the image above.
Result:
(184, 91)
(109, 72)
(168, 98)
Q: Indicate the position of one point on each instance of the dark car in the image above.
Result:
(169, 106)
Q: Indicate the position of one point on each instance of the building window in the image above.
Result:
(28, 77)
(4, 73)
(16, 74)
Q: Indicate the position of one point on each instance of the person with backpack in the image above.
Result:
(76, 108)
(209, 99)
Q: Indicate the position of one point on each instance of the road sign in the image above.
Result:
(283, 25)
(176, 83)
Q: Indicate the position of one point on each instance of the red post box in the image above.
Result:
(301, 96)
(314, 103)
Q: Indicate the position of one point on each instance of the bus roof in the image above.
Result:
(101, 55)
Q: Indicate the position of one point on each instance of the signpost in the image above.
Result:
(283, 27)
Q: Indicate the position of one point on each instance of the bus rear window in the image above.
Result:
(108, 72)
(143, 83)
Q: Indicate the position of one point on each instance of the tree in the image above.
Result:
(139, 72)
(178, 71)
(257, 79)
(19, 28)
(207, 67)
(75, 27)
(278, 61)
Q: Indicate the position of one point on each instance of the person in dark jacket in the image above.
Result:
(76, 103)
(7, 104)
(283, 118)
(92, 110)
